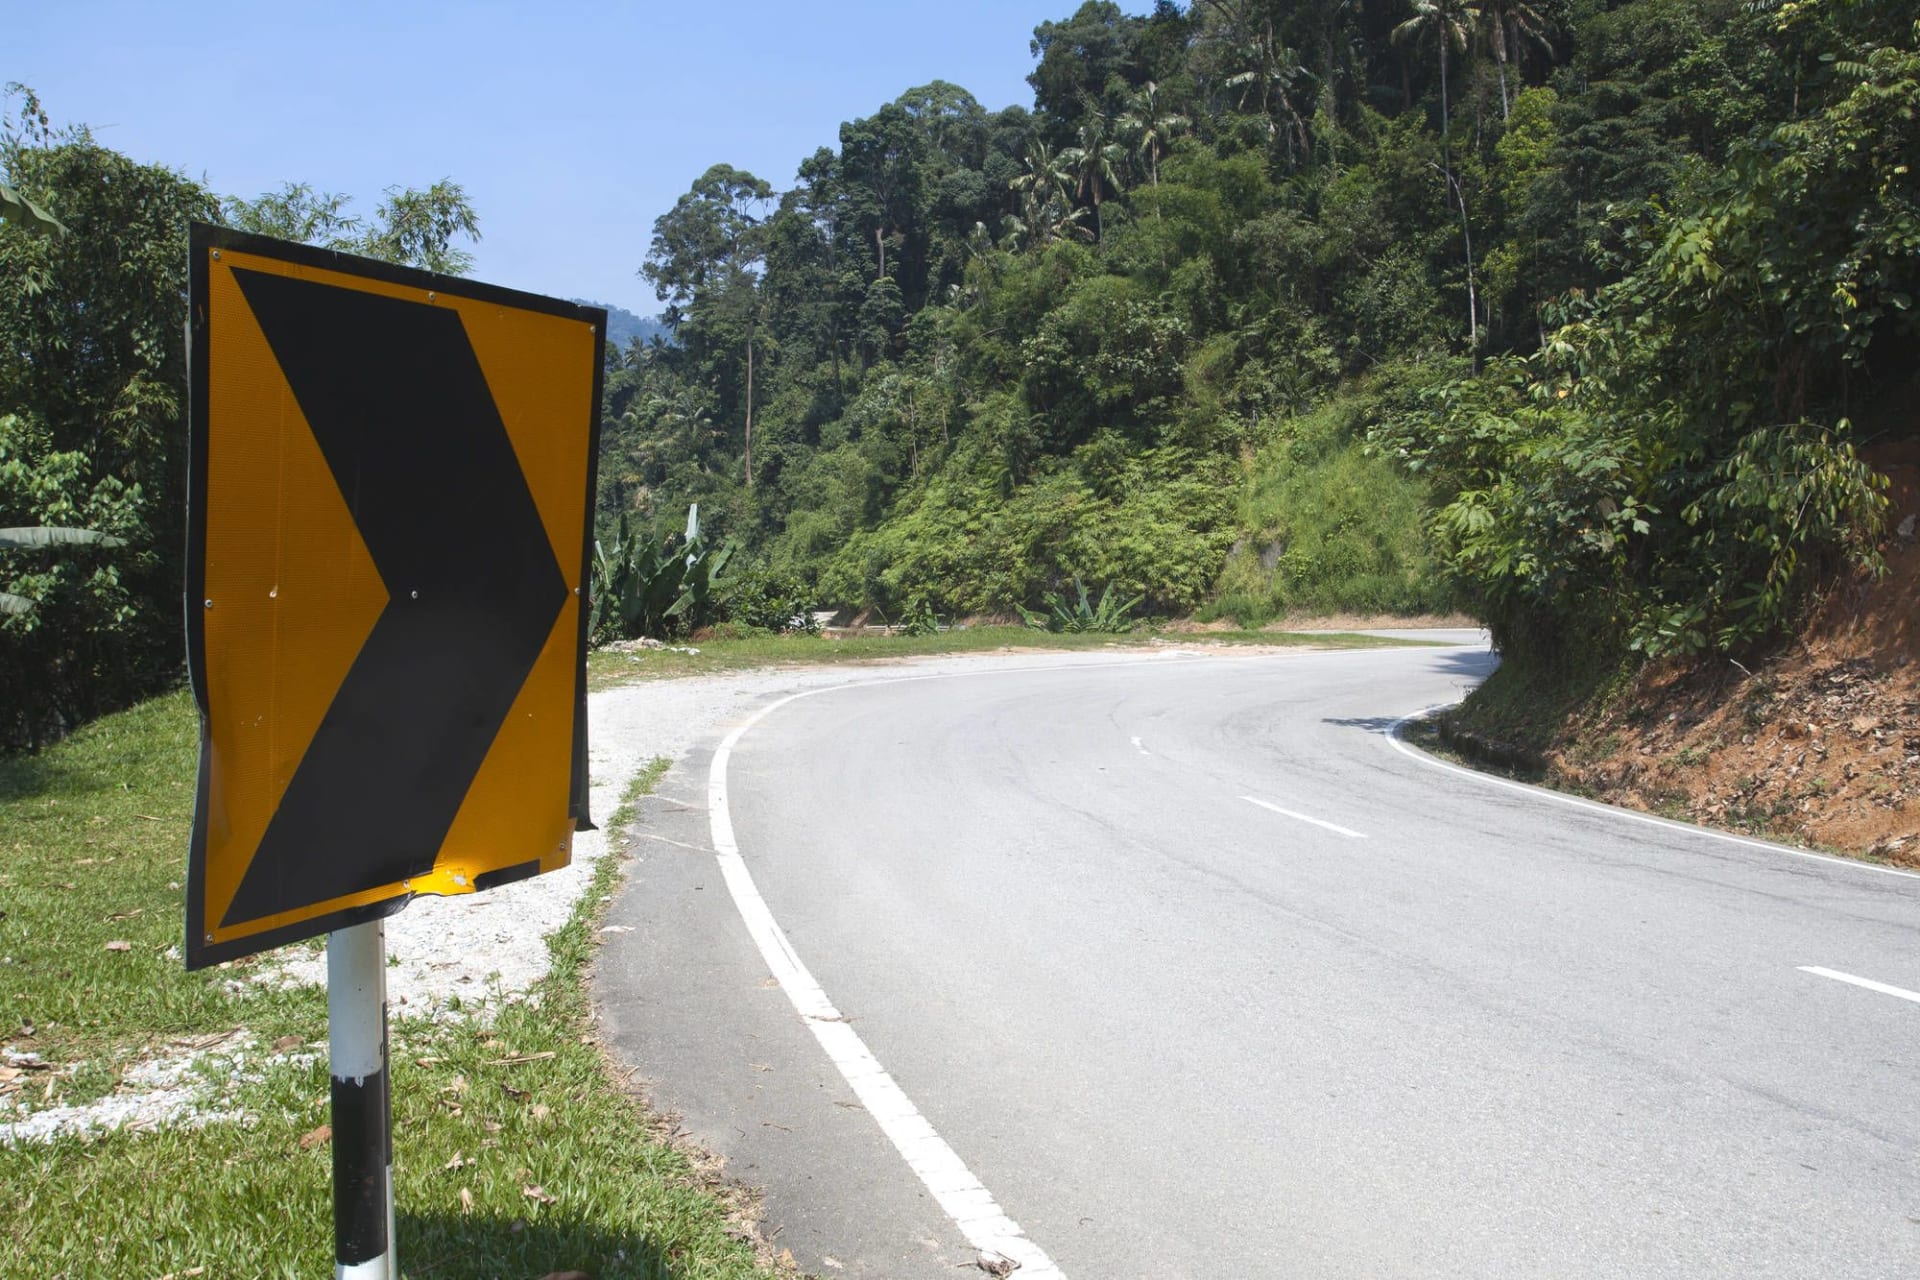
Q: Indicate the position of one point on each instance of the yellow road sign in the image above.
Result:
(389, 514)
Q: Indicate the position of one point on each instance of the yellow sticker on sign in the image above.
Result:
(390, 522)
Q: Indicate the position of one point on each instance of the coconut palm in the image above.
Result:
(1040, 222)
(1151, 130)
(1507, 24)
(1268, 70)
(1094, 164)
(1448, 24)
(1046, 174)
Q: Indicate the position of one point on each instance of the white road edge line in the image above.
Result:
(1885, 990)
(971, 1206)
(1301, 817)
(1628, 815)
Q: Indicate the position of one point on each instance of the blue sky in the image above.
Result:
(572, 126)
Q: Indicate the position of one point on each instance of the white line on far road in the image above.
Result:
(1301, 817)
(1885, 990)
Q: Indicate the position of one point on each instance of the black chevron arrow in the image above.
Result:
(400, 407)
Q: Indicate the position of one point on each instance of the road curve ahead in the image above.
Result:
(1201, 975)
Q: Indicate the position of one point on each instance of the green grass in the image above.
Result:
(717, 656)
(560, 1168)
(93, 841)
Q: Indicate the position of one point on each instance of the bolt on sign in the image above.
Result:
(389, 513)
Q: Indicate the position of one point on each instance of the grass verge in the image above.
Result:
(516, 1151)
(605, 667)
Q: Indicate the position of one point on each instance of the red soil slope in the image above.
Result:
(1820, 745)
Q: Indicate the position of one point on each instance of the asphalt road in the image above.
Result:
(1201, 976)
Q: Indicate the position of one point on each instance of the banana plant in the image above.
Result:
(646, 585)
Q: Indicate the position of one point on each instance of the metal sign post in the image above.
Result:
(362, 1103)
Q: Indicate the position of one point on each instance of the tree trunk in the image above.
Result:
(749, 409)
(1473, 299)
(880, 243)
(1500, 61)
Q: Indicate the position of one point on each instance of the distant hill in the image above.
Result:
(623, 326)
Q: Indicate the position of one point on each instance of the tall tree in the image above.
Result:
(1095, 163)
(1449, 25)
(1505, 24)
(1151, 129)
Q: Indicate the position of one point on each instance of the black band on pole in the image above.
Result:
(360, 1162)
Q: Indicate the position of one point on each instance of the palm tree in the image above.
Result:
(1152, 132)
(1448, 23)
(1268, 68)
(687, 409)
(1040, 222)
(1094, 166)
(1507, 23)
(1046, 175)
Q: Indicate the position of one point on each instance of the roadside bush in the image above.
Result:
(767, 600)
(92, 430)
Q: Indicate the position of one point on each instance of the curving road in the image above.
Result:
(1199, 974)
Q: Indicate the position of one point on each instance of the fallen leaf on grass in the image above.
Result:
(285, 1043)
(540, 1194)
(566, 1275)
(518, 1095)
(127, 915)
(540, 1111)
(466, 1200)
(427, 1062)
(118, 945)
(314, 1137)
(458, 1162)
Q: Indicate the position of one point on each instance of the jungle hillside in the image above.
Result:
(1584, 317)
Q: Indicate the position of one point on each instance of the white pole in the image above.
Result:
(362, 1108)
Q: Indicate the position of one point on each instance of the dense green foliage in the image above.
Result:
(1253, 277)
(93, 403)
(92, 429)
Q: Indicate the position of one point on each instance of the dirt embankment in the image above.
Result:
(1820, 744)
